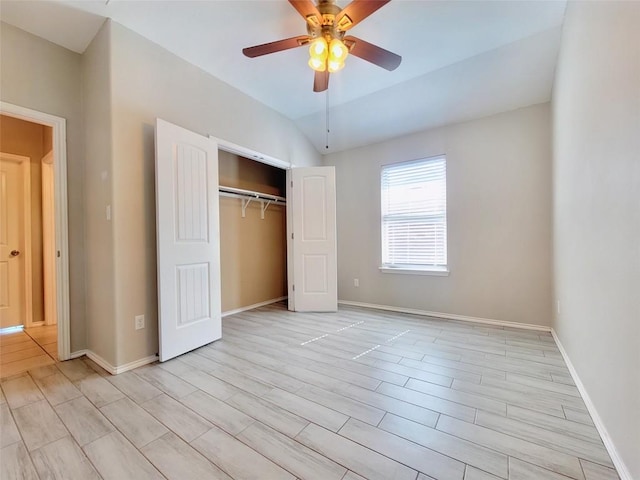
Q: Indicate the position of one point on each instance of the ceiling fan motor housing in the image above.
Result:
(326, 26)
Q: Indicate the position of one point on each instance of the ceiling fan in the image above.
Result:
(329, 46)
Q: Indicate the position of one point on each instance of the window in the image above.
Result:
(414, 216)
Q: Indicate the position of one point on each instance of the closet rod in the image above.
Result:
(239, 192)
(247, 196)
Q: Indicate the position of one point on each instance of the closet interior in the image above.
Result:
(253, 228)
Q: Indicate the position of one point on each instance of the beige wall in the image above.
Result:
(149, 82)
(100, 265)
(498, 211)
(253, 251)
(42, 76)
(596, 125)
(28, 139)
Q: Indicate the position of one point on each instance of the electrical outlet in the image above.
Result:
(139, 322)
(356, 282)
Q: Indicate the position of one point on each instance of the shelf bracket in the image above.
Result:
(264, 207)
(245, 204)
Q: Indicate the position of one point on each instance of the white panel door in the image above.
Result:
(188, 240)
(312, 203)
(12, 242)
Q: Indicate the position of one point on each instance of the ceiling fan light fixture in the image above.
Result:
(334, 65)
(317, 64)
(338, 50)
(319, 49)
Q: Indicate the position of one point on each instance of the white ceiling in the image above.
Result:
(461, 59)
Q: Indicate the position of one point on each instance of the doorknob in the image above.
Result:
(15, 253)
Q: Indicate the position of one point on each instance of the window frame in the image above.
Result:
(414, 269)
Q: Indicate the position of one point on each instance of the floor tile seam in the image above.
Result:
(553, 445)
(495, 371)
(235, 437)
(508, 435)
(320, 373)
(543, 389)
(308, 419)
(116, 428)
(104, 417)
(536, 362)
(468, 347)
(271, 369)
(41, 345)
(41, 392)
(357, 443)
(160, 392)
(72, 439)
(4, 354)
(462, 441)
(148, 459)
(573, 435)
(329, 407)
(293, 439)
(543, 468)
(254, 419)
(339, 367)
(522, 369)
(52, 407)
(350, 399)
(126, 439)
(347, 394)
(410, 376)
(462, 372)
(537, 393)
(21, 372)
(246, 374)
(15, 423)
(440, 398)
(521, 397)
(208, 423)
(402, 439)
(582, 460)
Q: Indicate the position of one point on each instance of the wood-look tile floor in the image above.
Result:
(31, 348)
(349, 395)
(47, 337)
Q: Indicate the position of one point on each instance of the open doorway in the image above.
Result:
(34, 280)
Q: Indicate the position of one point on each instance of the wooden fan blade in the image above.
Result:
(308, 10)
(357, 11)
(321, 81)
(277, 46)
(372, 53)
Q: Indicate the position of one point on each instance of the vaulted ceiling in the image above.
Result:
(460, 59)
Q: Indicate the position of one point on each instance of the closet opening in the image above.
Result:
(253, 232)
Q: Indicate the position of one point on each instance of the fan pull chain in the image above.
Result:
(327, 119)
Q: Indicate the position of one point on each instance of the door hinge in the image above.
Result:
(292, 236)
(293, 287)
(291, 183)
(58, 253)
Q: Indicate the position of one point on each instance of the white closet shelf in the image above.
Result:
(247, 196)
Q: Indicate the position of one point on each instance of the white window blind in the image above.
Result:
(414, 215)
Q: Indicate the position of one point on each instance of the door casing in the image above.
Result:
(59, 126)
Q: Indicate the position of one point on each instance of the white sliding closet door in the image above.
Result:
(188, 240)
(313, 276)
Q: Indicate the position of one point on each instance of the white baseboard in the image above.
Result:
(255, 305)
(113, 370)
(622, 469)
(449, 316)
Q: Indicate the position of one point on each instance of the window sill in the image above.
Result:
(437, 272)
